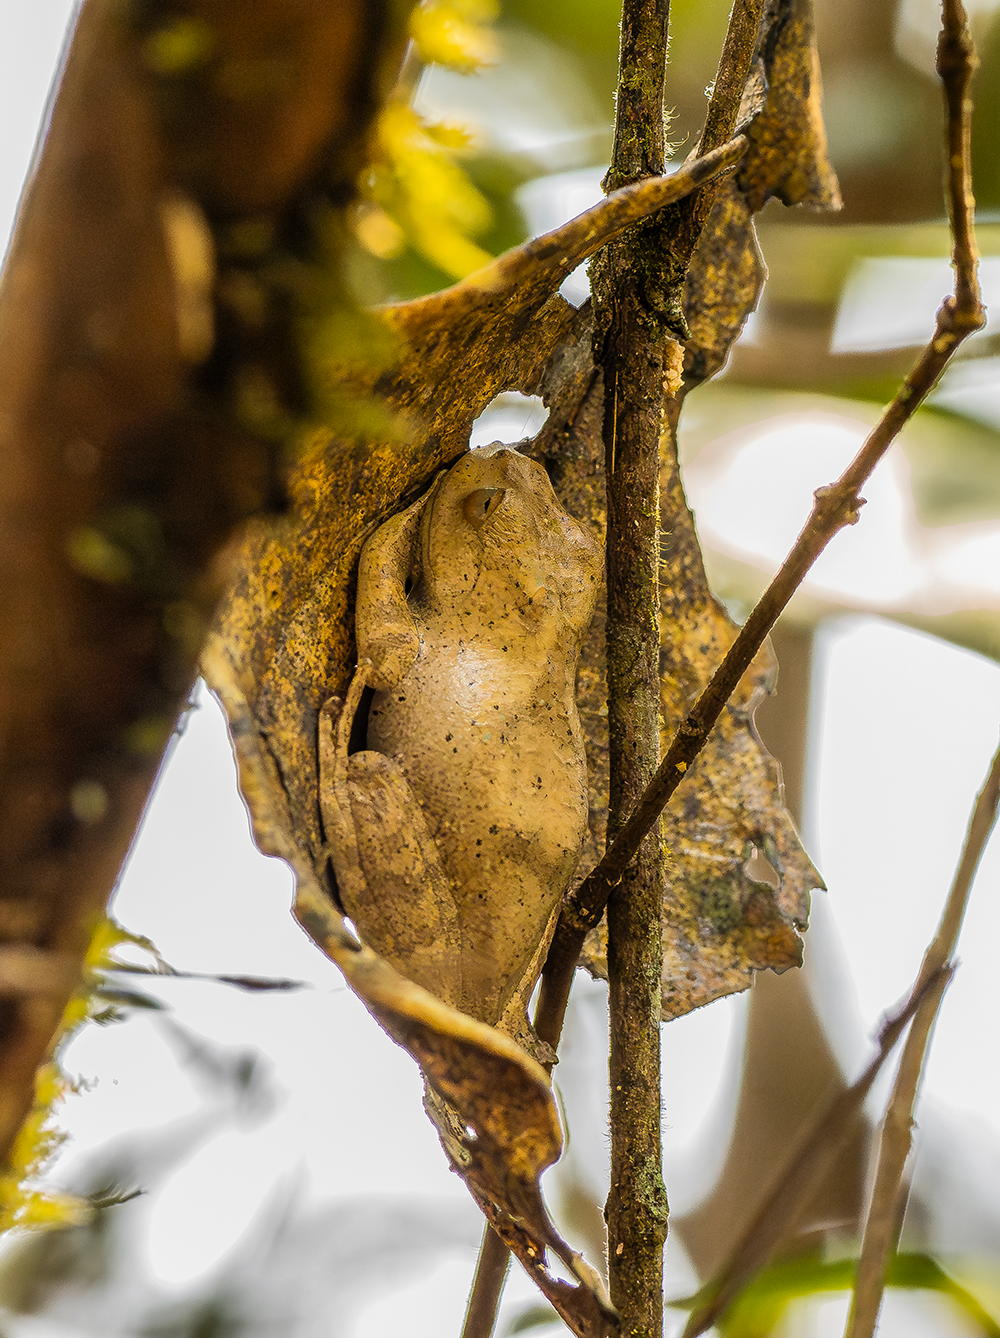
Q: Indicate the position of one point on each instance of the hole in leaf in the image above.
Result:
(508, 418)
(761, 870)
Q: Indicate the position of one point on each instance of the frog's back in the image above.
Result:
(483, 722)
(498, 768)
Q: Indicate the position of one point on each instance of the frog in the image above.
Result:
(455, 830)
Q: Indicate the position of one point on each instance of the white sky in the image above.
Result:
(903, 729)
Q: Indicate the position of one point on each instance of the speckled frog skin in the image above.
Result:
(469, 806)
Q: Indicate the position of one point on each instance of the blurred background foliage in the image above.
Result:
(501, 128)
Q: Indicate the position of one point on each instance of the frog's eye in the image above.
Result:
(480, 505)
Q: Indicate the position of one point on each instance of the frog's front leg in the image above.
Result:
(389, 873)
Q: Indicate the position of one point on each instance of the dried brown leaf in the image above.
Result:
(723, 285)
(283, 644)
(788, 158)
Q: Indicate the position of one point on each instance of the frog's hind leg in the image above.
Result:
(389, 873)
(410, 913)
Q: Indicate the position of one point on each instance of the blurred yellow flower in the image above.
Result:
(455, 33)
(415, 193)
(420, 188)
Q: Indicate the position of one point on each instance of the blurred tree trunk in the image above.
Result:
(134, 438)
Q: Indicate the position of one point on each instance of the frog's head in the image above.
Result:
(494, 538)
(489, 541)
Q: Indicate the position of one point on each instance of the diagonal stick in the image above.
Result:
(836, 506)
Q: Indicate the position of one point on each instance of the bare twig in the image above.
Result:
(637, 359)
(835, 506)
(884, 1219)
(888, 1200)
(639, 150)
(956, 64)
(487, 1286)
(670, 245)
(562, 250)
(814, 1154)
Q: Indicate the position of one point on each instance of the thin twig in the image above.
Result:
(487, 1286)
(670, 244)
(888, 1199)
(884, 1219)
(563, 249)
(815, 1152)
(734, 69)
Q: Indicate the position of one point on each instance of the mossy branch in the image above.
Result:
(638, 362)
